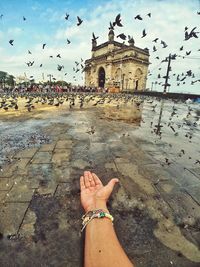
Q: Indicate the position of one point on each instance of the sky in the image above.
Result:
(45, 23)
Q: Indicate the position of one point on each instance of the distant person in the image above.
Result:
(102, 248)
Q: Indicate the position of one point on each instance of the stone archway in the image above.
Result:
(101, 77)
(138, 77)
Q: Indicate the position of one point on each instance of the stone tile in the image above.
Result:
(42, 158)
(3, 196)
(40, 171)
(80, 163)
(194, 192)
(62, 174)
(20, 193)
(27, 228)
(8, 171)
(47, 147)
(59, 158)
(183, 176)
(64, 144)
(27, 153)
(6, 184)
(22, 163)
(63, 189)
(131, 170)
(195, 171)
(12, 215)
(47, 189)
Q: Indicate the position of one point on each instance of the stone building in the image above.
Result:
(115, 64)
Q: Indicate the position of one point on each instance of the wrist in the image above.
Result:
(99, 204)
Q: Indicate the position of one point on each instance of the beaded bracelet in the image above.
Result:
(95, 214)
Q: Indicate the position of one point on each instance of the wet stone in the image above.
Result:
(6, 184)
(19, 193)
(42, 158)
(62, 144)
(27, 153)
(47, 147)
(8, 171)
(194, 192)
(11, 215)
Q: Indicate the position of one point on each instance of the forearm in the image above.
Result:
(102, 248)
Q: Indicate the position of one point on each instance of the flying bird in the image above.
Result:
(149, 15)
(138, 17)
(155, 40)
(79, 21)
(154, 49)
(94, 38)
(67, 16)
(111, 26)
(122, 36)
(58, 56)
(144, 33)
(164, 44)
(29, 52)
(11, 42)
(43, 46)
(118, 21)
(68, 41)
(1, 16)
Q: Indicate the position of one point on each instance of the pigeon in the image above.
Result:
(29, 52)
(144, 33)
(11, 42)
(111, 26)
(188, 53)
(154, 49)
(40, 65)
(60, 67)
(118, 21)
(24, 18)
(94, 38)
(164, 44)
(138, 17)
(43, 46)
(155, 40)
(181, 48)
(67, 16)
(58, 56)
(149, 15)
(68, 41)
(79, 21)
(1, 16)
(122, 36)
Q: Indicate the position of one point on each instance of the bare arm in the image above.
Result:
(102, 248)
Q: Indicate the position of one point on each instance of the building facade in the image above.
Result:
(115, 64)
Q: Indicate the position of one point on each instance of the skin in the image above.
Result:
(102, 247)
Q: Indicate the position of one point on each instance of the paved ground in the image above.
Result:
(156, 206)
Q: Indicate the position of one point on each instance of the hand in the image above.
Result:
(93, 194)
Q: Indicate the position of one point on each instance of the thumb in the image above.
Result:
(111, 184)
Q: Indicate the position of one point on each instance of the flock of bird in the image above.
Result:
(175, 123)
(80, 68)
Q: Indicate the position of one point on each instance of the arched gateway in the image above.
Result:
(117, 65)
(102, 77)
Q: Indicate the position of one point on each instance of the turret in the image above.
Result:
(131, 41)
(111, 36)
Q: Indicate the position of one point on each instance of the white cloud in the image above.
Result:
(15, 31)
(167, 22)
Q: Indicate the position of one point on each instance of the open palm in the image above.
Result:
(93, 193)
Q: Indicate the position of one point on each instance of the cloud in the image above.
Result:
(15, 31)
(167, 23)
